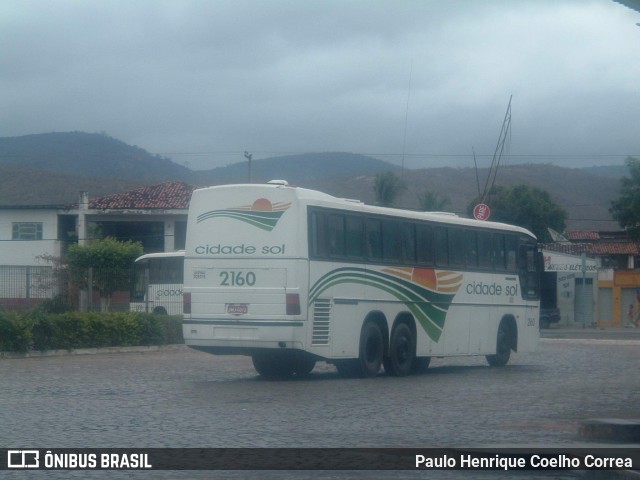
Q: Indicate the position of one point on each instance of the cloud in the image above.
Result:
(214, 78)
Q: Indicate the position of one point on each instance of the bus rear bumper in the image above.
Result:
(233, 337)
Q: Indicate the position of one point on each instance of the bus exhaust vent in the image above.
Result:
(321, 321)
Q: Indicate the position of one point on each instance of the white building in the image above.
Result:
(30, 234)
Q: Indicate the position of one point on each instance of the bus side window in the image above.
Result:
(442, 247)
(485, 250)
(336, 234)
(354, 234)
(498, 252)
(471, 248)
(511, 245)
(425, 244)
(408, 242)
(373, 239)
(170, 270)
(456, 247)
(391, 241)
(318, 235)
(527, 269)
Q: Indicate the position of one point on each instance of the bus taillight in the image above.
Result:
(293, 304)
(186, 303)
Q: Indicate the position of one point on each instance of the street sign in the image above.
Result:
(481, 212)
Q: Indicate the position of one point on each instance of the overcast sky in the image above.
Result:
(203, 81)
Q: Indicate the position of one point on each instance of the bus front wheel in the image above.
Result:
(504, 344)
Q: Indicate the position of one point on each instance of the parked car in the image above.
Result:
(549, 316)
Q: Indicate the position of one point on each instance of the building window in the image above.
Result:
(27, 231)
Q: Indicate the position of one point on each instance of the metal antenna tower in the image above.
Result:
(505, 133)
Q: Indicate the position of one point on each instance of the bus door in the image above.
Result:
(530, 267)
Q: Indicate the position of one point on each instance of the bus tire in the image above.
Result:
(303, 364)
(160, 311)
(402, 351)
(273, 364)
(370, 353)
(348, 368)
(420, 365)
(504, 344)
(371, 349)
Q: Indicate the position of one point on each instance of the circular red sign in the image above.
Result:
(481, 211)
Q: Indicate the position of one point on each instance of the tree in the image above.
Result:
(433, 202)
(110, 260)
(387, 186)
(525, 206)
(626, 209)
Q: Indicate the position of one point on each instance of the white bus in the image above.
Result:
(157, 283)
(291, 276)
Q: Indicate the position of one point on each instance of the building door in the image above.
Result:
(584, 301)
(605, 305)
(628, 298)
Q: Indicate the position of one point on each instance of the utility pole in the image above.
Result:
(248, 156)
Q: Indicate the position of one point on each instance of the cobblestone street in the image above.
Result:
(182, 398)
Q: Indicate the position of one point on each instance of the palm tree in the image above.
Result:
(387, 186)
(433, 202)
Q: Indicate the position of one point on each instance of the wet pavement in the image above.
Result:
(178, 397)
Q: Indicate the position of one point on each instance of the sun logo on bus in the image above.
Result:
(261, 213)
(442, 281)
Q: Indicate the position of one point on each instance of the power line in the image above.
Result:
(521, 158)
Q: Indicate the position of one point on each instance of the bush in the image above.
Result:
(40, 330)
(57, 304)
(15, 332)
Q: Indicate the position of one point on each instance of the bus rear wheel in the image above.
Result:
(371, 351)
(278, 364)
(272, 365)
(504, 345)
(402, 351)
(303, 364)
(420, 365)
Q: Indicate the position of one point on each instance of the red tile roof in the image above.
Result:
(578, 235)
(168, 195)
(568, 248)
(614, 248)
(594, 249)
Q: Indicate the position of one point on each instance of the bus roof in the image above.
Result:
(314, 197)
(146, 256)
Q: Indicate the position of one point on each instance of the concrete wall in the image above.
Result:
(26, 252)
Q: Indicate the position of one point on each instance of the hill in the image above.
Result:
(52, 168)
(30, 186)
(97, 155)
(615, 171)
(586, 197)
(88, 155)
(298, 168)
